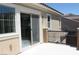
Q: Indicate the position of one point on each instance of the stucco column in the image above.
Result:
(77, 38)
(40, 29)
(18, 27)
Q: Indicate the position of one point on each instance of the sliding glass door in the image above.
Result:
(35, 28)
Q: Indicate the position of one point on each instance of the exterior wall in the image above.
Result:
(55, 23)
(43, 24)
(45, 21)
(54, 33)
(45, 27)
(21, 9)
(9, 44)
(57, 36)
(69, 25)
(45, 34)
(54, 36)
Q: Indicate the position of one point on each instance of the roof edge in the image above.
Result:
(51, 8)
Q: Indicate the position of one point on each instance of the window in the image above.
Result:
(7, 19)
(49, 21)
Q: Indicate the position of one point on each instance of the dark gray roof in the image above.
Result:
(72, 16)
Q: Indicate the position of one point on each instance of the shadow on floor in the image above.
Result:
(71, 39)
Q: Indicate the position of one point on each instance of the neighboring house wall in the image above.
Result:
(69, 25)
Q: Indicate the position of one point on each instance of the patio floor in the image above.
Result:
(50, 49)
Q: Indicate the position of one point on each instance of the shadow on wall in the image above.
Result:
(70, 27)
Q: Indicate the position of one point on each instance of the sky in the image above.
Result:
(66, 8)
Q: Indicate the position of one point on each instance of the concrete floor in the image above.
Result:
(50, 49)
(25, 43)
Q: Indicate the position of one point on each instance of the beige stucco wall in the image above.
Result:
(9, 44)
(44, 21)
(55, 23)
(57, 36)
